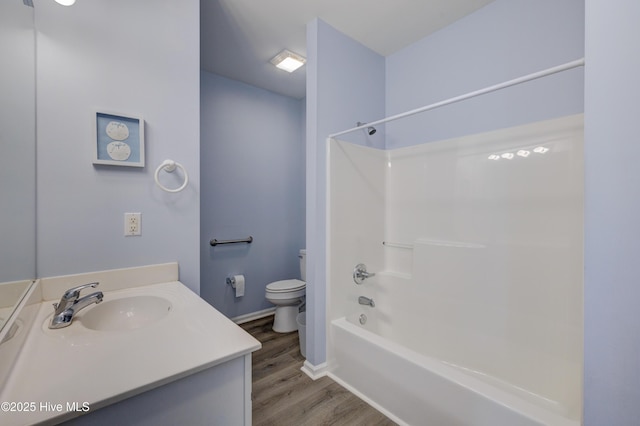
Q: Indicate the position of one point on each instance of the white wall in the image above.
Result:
(503, 40)
(139, 58)
(345, 84)
(612, 202)
(357, 210)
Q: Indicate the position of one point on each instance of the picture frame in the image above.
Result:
(118, 139)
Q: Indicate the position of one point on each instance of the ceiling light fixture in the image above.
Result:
(66, 2)
(287, 60)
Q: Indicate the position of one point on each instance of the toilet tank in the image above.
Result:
(303, 264)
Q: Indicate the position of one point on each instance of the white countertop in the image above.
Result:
(76, 364)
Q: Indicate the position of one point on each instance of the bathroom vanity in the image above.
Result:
(151, 353)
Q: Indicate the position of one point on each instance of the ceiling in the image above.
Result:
(239, 37)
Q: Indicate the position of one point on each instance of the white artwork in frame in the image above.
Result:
(119, 139)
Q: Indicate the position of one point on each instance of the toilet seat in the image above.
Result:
(286, 286)
(287, 296)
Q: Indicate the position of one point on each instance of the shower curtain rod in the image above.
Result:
(533, 76)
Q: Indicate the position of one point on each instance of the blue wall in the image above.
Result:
(18, 142)
(612, 202)
(253, 183)
(147, 65)
(504, 40)
(345, 84)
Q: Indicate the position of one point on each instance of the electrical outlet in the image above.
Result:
(132, 224)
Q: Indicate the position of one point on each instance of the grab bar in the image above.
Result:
(215, 242)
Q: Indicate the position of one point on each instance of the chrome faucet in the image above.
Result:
(71, 303)
(366, 301)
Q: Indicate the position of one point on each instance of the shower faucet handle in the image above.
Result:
(360, 273)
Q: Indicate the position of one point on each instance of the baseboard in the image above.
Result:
(241, 319)
(314, 371)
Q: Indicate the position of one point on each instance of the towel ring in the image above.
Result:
(169, 166)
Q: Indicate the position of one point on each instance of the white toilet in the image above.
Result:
(287, 295)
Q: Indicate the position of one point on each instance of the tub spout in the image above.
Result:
(366, 301)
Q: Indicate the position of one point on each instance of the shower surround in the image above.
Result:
(477, 246)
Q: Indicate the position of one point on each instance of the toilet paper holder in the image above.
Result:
(238, 283)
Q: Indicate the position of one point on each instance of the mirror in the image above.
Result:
(18, 158)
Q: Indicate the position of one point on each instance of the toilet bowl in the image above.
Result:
(287, 296)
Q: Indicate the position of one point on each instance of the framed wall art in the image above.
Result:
(119, 140)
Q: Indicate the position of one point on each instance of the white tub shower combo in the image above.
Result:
(476, 245)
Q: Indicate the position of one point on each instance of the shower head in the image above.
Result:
(370, 130)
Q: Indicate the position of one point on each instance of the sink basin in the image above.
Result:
(127, 313)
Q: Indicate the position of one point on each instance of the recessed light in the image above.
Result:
(66, 2)
(288, 61)
(524, 153)
(494, 157)
(540, 150)
(507, 155)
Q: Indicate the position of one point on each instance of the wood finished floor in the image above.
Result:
(283, 395)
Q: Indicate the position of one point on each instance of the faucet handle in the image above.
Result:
(360, 273)
(74, 293)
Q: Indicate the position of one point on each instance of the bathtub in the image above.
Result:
(478, 316)
(414, 389)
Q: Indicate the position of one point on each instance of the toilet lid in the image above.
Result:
(286, 285)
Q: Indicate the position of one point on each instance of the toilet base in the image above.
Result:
(284, 320)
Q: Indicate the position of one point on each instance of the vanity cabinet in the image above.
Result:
(123, 362)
